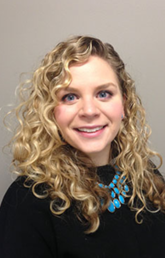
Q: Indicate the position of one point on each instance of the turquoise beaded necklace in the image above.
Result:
(117, 196)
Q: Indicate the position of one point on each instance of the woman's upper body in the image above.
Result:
(28, 229)
(80, 111)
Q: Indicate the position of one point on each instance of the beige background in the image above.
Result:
(30, 28)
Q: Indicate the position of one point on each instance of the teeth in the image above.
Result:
(90, 130)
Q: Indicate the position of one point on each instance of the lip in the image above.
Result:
(89, 127)
(91, 134)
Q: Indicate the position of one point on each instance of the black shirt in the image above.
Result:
(28, 229)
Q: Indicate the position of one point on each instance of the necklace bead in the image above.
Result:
(111, 207)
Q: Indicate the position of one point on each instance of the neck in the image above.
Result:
(99, 160)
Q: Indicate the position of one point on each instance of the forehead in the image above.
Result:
(95, 70)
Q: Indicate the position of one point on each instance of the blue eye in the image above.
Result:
(69, 97)
(104, 94)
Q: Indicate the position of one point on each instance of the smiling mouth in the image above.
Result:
(90, 130)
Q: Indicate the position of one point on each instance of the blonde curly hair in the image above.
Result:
(64, 174)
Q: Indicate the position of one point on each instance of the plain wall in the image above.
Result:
(30, 28)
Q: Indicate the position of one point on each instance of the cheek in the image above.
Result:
(60, 116)
(117, 110)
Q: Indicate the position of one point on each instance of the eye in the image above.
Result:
(104, 94)
(69, 97)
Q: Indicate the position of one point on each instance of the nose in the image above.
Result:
(89, 108)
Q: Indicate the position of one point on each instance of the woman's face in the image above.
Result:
(90, 109)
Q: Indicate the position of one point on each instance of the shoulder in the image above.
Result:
(17, 187)
(25, 223)
(155, 170)
(20, 201)
(159, 178)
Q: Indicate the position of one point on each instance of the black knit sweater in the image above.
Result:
(29, 230)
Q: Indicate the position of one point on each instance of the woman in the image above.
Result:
(86, 185)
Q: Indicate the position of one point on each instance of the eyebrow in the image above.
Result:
(106, 85)
(99, 87)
